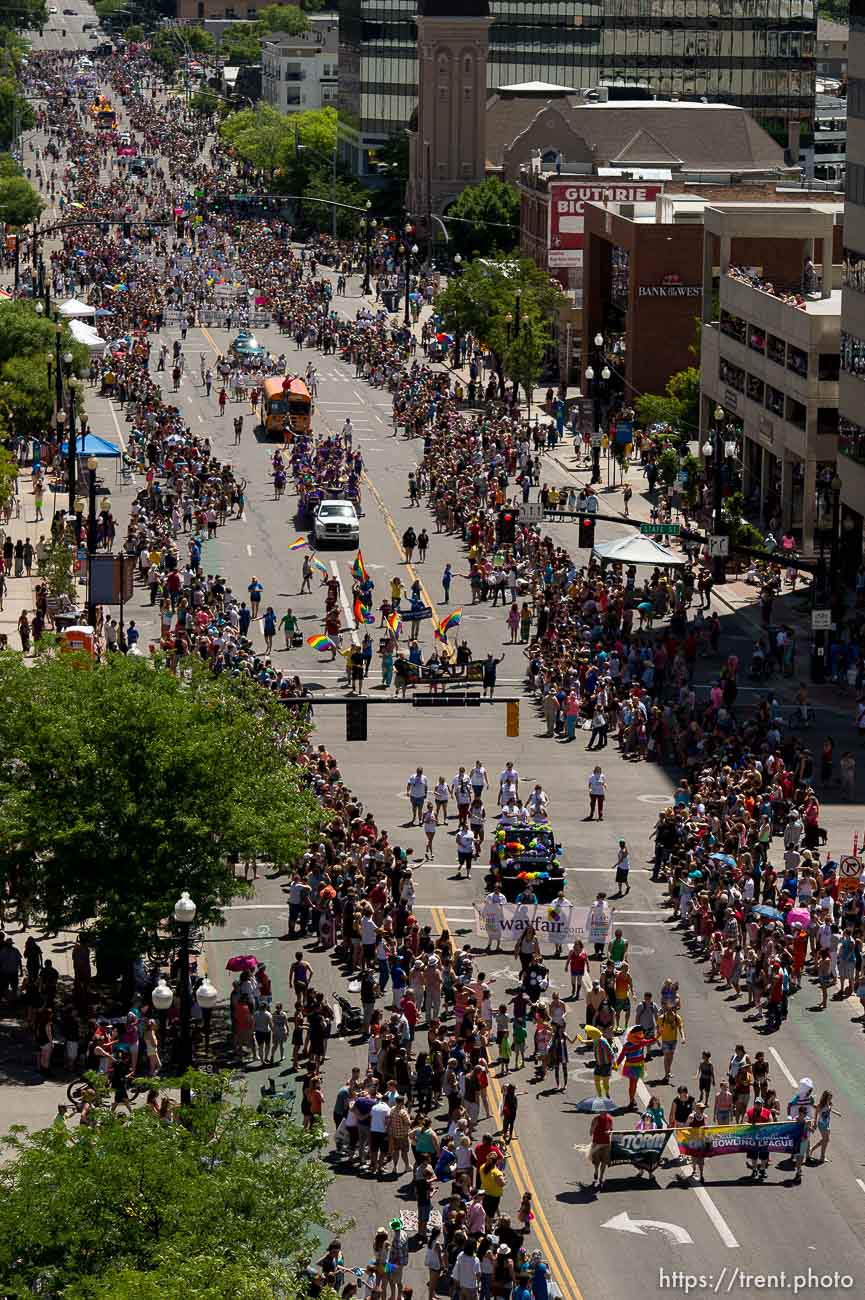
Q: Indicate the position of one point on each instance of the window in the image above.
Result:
(853, 276)
(851, 439)
(797, 361)
(732, 375)
(776, 349)
(796, 413)
(853, 355)
(754, 389)
(856, 183)
(856, 97)
(828, 365)
(774, 400)
(827, 420)
(733, 326)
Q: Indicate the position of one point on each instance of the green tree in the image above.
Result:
(25, 15)
(114, 802)
(284, 18)
(241, 44)
(204, 101)
(480, 299)
(134, 32)
(524, 356)
(9, 167)
(19, 202)
(679, 407)
(261, 136)
(55, 568)
(346, 192)
(485, 218)
(14, 108)
(227, 1204)
(668, 466)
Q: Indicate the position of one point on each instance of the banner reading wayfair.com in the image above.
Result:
(732, 1139)
(555, 923)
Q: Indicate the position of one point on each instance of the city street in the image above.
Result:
(586, 1237)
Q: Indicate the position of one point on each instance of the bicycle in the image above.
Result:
(83, 1090)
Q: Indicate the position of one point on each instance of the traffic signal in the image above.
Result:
(513, 719)
(587, 533)
(355, 720)
(507, 526)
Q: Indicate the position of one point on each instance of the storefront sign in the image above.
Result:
(670, 291)
(567, 205)
(555, 923)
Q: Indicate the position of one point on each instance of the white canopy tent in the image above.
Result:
(74, 307)
(637, 549)
(87, 335)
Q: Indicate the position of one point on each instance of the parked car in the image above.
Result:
(336, 521)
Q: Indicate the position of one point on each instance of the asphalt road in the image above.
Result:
(774, 1228)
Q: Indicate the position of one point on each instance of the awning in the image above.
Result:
(636, 549)
(86, 334)
(75, 307)
(91, 445)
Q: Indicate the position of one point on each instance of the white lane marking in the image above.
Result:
(716, 1218)
(343, 600)
(794, 1083)
(861, 1184)
(248, 549)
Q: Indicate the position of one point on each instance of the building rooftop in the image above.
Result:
(453, 9)
(684, 137)
(535, 88)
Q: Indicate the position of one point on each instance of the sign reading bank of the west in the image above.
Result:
(568, 201)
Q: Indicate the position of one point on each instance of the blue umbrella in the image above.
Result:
(596, 1105)
(771, 913)
(727, 860)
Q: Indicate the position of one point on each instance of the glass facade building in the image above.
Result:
(758, 54)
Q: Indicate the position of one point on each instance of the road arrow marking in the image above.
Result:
(624, 1223)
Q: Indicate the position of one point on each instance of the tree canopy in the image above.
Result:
(224, 1204)
(27, 341)
(485, 218)
(123, 785)
(480, 299)
(13, 106)
(19, 201)
(283, 18)
(25, 15)
(679, 406)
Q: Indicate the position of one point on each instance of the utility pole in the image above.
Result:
(333, 193)
(428, 170)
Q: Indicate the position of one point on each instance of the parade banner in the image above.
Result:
(643, 1149)
(736, 1139)
(554, 923)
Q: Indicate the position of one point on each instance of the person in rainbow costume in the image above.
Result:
(633, 1054)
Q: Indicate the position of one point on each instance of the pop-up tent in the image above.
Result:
(86, 334)
(636, 549)
(75, 307)
(91, 445)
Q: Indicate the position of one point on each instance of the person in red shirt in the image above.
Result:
(486, 1148)
(599, 1153)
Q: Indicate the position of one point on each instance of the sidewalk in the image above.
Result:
(19, 591)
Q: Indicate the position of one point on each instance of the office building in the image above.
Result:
(770, 343)
(302, 72)
(851, 441)
(757, 54)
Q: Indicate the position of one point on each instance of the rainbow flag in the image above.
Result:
(358, 569)
(452, 620)
(298, 544)
(321, 642)
(361, 613)
(322, 568)
(394, 622)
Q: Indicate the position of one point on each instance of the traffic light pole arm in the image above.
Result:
(316, 700)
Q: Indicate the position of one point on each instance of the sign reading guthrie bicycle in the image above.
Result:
(567, 206)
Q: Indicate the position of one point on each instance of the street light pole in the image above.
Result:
(368, 227)
(184, 915)
(71, 439)
(91, 540)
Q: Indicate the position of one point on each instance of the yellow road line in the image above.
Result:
(391, 528)
(523, 1180)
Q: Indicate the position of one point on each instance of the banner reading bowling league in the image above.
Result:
(643, 1149)
(555, 923)
(738, 1139)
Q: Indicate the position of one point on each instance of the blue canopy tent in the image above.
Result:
(90, 444)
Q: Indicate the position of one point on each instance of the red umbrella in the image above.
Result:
(241, 963)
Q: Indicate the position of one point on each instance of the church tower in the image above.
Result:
(447, 143)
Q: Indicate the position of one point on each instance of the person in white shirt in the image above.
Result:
(378, 1137)
(416, 788)
(429, 822)
(442, 794)
(465, 843)
(537, 803)
(477, 817)
(597, 784)
(462, 789)
(509, 782)
(479, 779)
(466, 1271)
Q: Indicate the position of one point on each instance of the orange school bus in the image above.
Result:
(286, 410)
